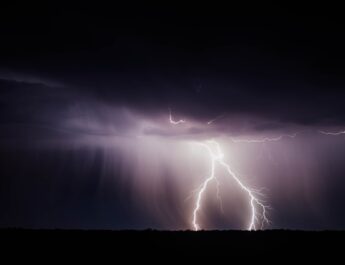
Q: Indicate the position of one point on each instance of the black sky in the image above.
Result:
(287, 66)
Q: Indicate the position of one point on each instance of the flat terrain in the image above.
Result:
(134, 244)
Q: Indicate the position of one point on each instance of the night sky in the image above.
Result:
(85, 97)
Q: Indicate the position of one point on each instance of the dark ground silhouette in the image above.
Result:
(137, 244)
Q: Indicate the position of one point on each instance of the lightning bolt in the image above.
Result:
(258, 208)
(216, 118)
(172, 121)
(332, 133)
(266, 139)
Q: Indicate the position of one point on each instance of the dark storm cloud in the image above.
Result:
(9, 76)
(288, 68)
(37, 109)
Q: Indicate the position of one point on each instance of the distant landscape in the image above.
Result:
(221, 243)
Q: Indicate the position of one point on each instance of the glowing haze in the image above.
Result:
(192, 175)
